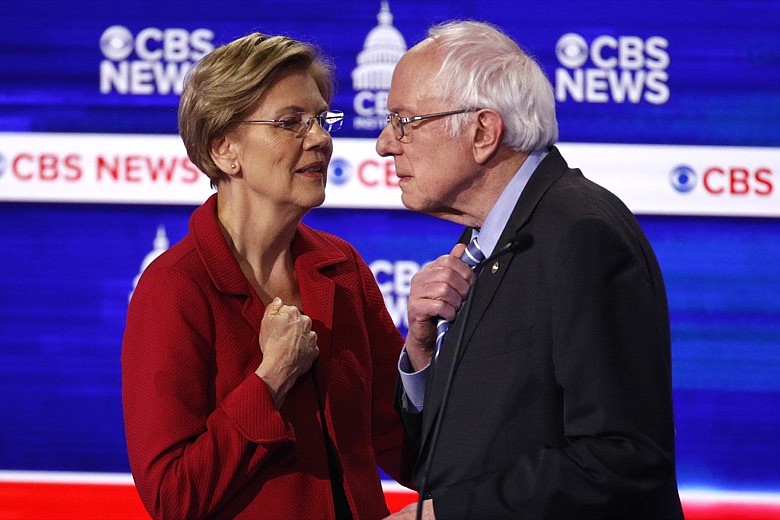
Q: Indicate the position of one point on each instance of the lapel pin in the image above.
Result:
(494, 268)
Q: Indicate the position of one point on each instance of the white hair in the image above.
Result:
(484, 68)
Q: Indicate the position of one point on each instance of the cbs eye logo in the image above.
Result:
(572, 50)
(340, 172)
(683, 178)
(117, 43)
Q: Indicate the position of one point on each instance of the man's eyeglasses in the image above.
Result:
(398, 122)
(300, 123)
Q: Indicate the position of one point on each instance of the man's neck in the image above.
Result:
(475, 200)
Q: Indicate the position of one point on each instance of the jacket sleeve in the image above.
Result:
(188, 453)
(394, 452)
(610, 349)
(413, 421)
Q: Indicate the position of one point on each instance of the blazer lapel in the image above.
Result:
(313, 254)
(222, 266)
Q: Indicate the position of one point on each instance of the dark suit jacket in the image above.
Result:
(561, 403)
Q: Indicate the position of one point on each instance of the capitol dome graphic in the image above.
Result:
(160, 245)
(383, 47)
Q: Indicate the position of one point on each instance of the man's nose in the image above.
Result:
(386, 142)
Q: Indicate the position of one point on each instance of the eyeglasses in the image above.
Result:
(299, 123)
(398, 122)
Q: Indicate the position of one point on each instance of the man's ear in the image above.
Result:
(223, 153)
(488, 134)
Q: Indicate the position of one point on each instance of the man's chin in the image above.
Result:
(440, 211)
(411, 203)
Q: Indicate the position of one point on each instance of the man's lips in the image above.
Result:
(317, 168)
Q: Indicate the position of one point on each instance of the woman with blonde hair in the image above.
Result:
(258, 360)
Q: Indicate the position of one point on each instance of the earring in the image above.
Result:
(233, 166)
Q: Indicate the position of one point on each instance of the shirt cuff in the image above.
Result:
(413, 382)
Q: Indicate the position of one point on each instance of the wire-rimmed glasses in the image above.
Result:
(300, 122)
(397, 122)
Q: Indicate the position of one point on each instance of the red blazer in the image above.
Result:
(204, 438)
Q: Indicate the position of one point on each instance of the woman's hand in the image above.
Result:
(289, 348)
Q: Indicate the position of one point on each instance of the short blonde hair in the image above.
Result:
(230, 81)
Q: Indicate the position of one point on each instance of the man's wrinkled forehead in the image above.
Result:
(414, 79)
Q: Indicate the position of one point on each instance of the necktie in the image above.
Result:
(472, 256)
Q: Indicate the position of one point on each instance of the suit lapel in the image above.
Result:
(546, 174)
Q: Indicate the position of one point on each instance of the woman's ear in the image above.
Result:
(488, 134)
(223, 153)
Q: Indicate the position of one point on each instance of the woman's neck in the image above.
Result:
(260, 237)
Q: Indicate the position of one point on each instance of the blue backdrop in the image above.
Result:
(67, 271)
(702, 73)
(722, 74)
